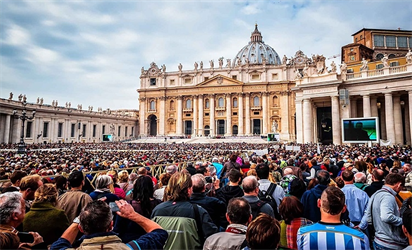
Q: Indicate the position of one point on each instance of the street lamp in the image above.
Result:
(22, 146)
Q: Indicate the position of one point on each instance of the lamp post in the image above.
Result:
(23, 117)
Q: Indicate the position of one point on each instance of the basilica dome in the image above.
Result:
(256, 52)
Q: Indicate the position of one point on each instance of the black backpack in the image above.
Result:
(265, 197)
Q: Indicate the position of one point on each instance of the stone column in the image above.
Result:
(336, 129)
(195, 108)
(201, 106)
(247, 118)
(353, 108)
(389, 117)
(240, 115)
(228, 114)
(397, 115)
(162, 118)
(307, 121)
(408, 117)
(366, 106)
(7, 129)
(179, 122)
(299, 123)
(374, 106)
(265, 112)
(284, 126)
(212, 115)
(142, 116)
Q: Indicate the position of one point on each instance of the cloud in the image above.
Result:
(250, 9)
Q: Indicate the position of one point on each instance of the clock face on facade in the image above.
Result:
(299, 60)
(153, 70)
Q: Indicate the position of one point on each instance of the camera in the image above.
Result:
(209, 179)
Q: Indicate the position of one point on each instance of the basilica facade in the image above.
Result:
(250, 94)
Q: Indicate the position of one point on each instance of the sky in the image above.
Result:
(91, 52)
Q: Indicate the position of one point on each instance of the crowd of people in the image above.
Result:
(209, 196)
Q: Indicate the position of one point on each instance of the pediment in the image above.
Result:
(219, 80)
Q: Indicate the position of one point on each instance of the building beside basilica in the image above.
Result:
(257, 92)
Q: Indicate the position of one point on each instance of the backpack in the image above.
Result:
(184, 233)
(265, 197)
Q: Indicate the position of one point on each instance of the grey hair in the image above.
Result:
(10, 203)
(103, 181)
(360, 177)
(171, 169)
(198, 183)
(212, 170)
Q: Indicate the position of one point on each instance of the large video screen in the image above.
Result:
(360, 130)
(108, 137)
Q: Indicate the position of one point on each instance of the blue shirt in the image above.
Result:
(331, 236)
(356, 201)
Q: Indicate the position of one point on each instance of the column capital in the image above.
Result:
(162, 98)
(142, 99)
(180, 97)
(247, 94)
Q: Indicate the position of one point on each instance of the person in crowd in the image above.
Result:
(338, 236)
(103, 183)
(360, 180)
(231, 190)
(44, 217)
(143, 203)
(407, 227)
(12, 212)
(28, 186)
(356, 200)
(177, 213)
(74, 200)
(377, 182)
(215, 207)
(15, 179)
(164, 180)
(251, 189)
(61, 184)
(96, 222)
(231, 164)
(218, 166)
(124, 183)
(190, 168)
(291, 210)
(310, 197)
(263, 233)
(171, 169)
(238, 215)
(262, 171)
(383, 215)
(114, 187)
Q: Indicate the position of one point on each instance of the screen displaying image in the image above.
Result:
(360, 129)
(107, 138)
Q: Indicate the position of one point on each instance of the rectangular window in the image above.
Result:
(172, 82)
(410, 42)
(234, 113)
(72, 130)
(256, 113)
(94, 130)
(103, 129)
(206, 78)
(379, 66)
(46, 129)
(234, 77)
(60, 130)
(188, 115)
(206, 114)
(402, 42)
(84, 130)
(350, 70)
(255, 76)
(125, 131)
(132, 131)
(378, 41)
(188, 80)
(390, 42)
(28, 129)
(275, 76)
(118, 131)
(152, 81)
(394, 64)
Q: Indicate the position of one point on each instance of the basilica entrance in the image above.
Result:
(324, 121)
(235, 130)
(220, 127)
(256, 127)
(188, 127)
(152, 125)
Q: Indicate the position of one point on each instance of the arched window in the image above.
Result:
(220, 102)
(275, 101)
(172, 105)
(152, 105)
(235, 102)
(188, 104)
(207, 103)
(256, 101)
(379, 56)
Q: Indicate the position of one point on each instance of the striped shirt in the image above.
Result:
(331, 236)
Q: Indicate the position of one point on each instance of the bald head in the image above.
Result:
(249, 184)
(198, 183)
(287, 171)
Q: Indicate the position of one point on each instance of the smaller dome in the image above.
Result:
(256, 52)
